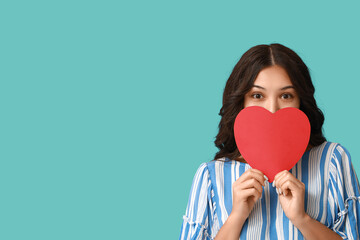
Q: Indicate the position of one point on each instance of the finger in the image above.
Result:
(251, 192)
(282, 179)
(256, 170)
(254, 173)
(278, 176)
(252, 183)
(288, 176)
(249, 184)
(291, 186)
(276, 180)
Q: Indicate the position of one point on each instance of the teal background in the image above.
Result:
(109, 107)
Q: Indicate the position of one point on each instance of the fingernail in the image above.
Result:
(280, 192)
(277, 191)
(273, 184)
(284, 194)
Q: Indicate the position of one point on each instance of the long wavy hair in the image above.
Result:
(241, 81)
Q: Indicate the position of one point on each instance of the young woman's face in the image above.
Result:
(272, 90)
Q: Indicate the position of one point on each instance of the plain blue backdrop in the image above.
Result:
(109, 107)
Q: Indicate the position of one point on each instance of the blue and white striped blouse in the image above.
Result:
(331, 197)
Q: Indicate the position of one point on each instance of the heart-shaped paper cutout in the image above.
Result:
(271, 142)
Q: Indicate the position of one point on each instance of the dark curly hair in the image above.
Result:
(241, 81)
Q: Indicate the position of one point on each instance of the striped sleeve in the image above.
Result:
(197, 220)
(344, 197)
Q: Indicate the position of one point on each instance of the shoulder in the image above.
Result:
(339, 160)
(202, 167)
(202, 171)
(342, 172)
(218, 164)
(328, 156)
(329, 150)
(213, 167)
(206, 167)
(338, 152)
(342, 151)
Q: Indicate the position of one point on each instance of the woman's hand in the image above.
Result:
(291, 195)
(247, 189)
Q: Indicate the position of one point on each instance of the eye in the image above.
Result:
(287, 96)
(256, 96)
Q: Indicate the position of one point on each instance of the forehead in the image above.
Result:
(273, 77)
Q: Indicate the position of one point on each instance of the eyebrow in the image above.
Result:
(284, 88)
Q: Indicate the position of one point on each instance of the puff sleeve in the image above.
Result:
(344, 197)
(197, 219)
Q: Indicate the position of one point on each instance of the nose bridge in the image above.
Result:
(273, 104)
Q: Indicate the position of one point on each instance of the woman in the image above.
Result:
(317, 199)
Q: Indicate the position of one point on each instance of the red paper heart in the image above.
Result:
(271, 142)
